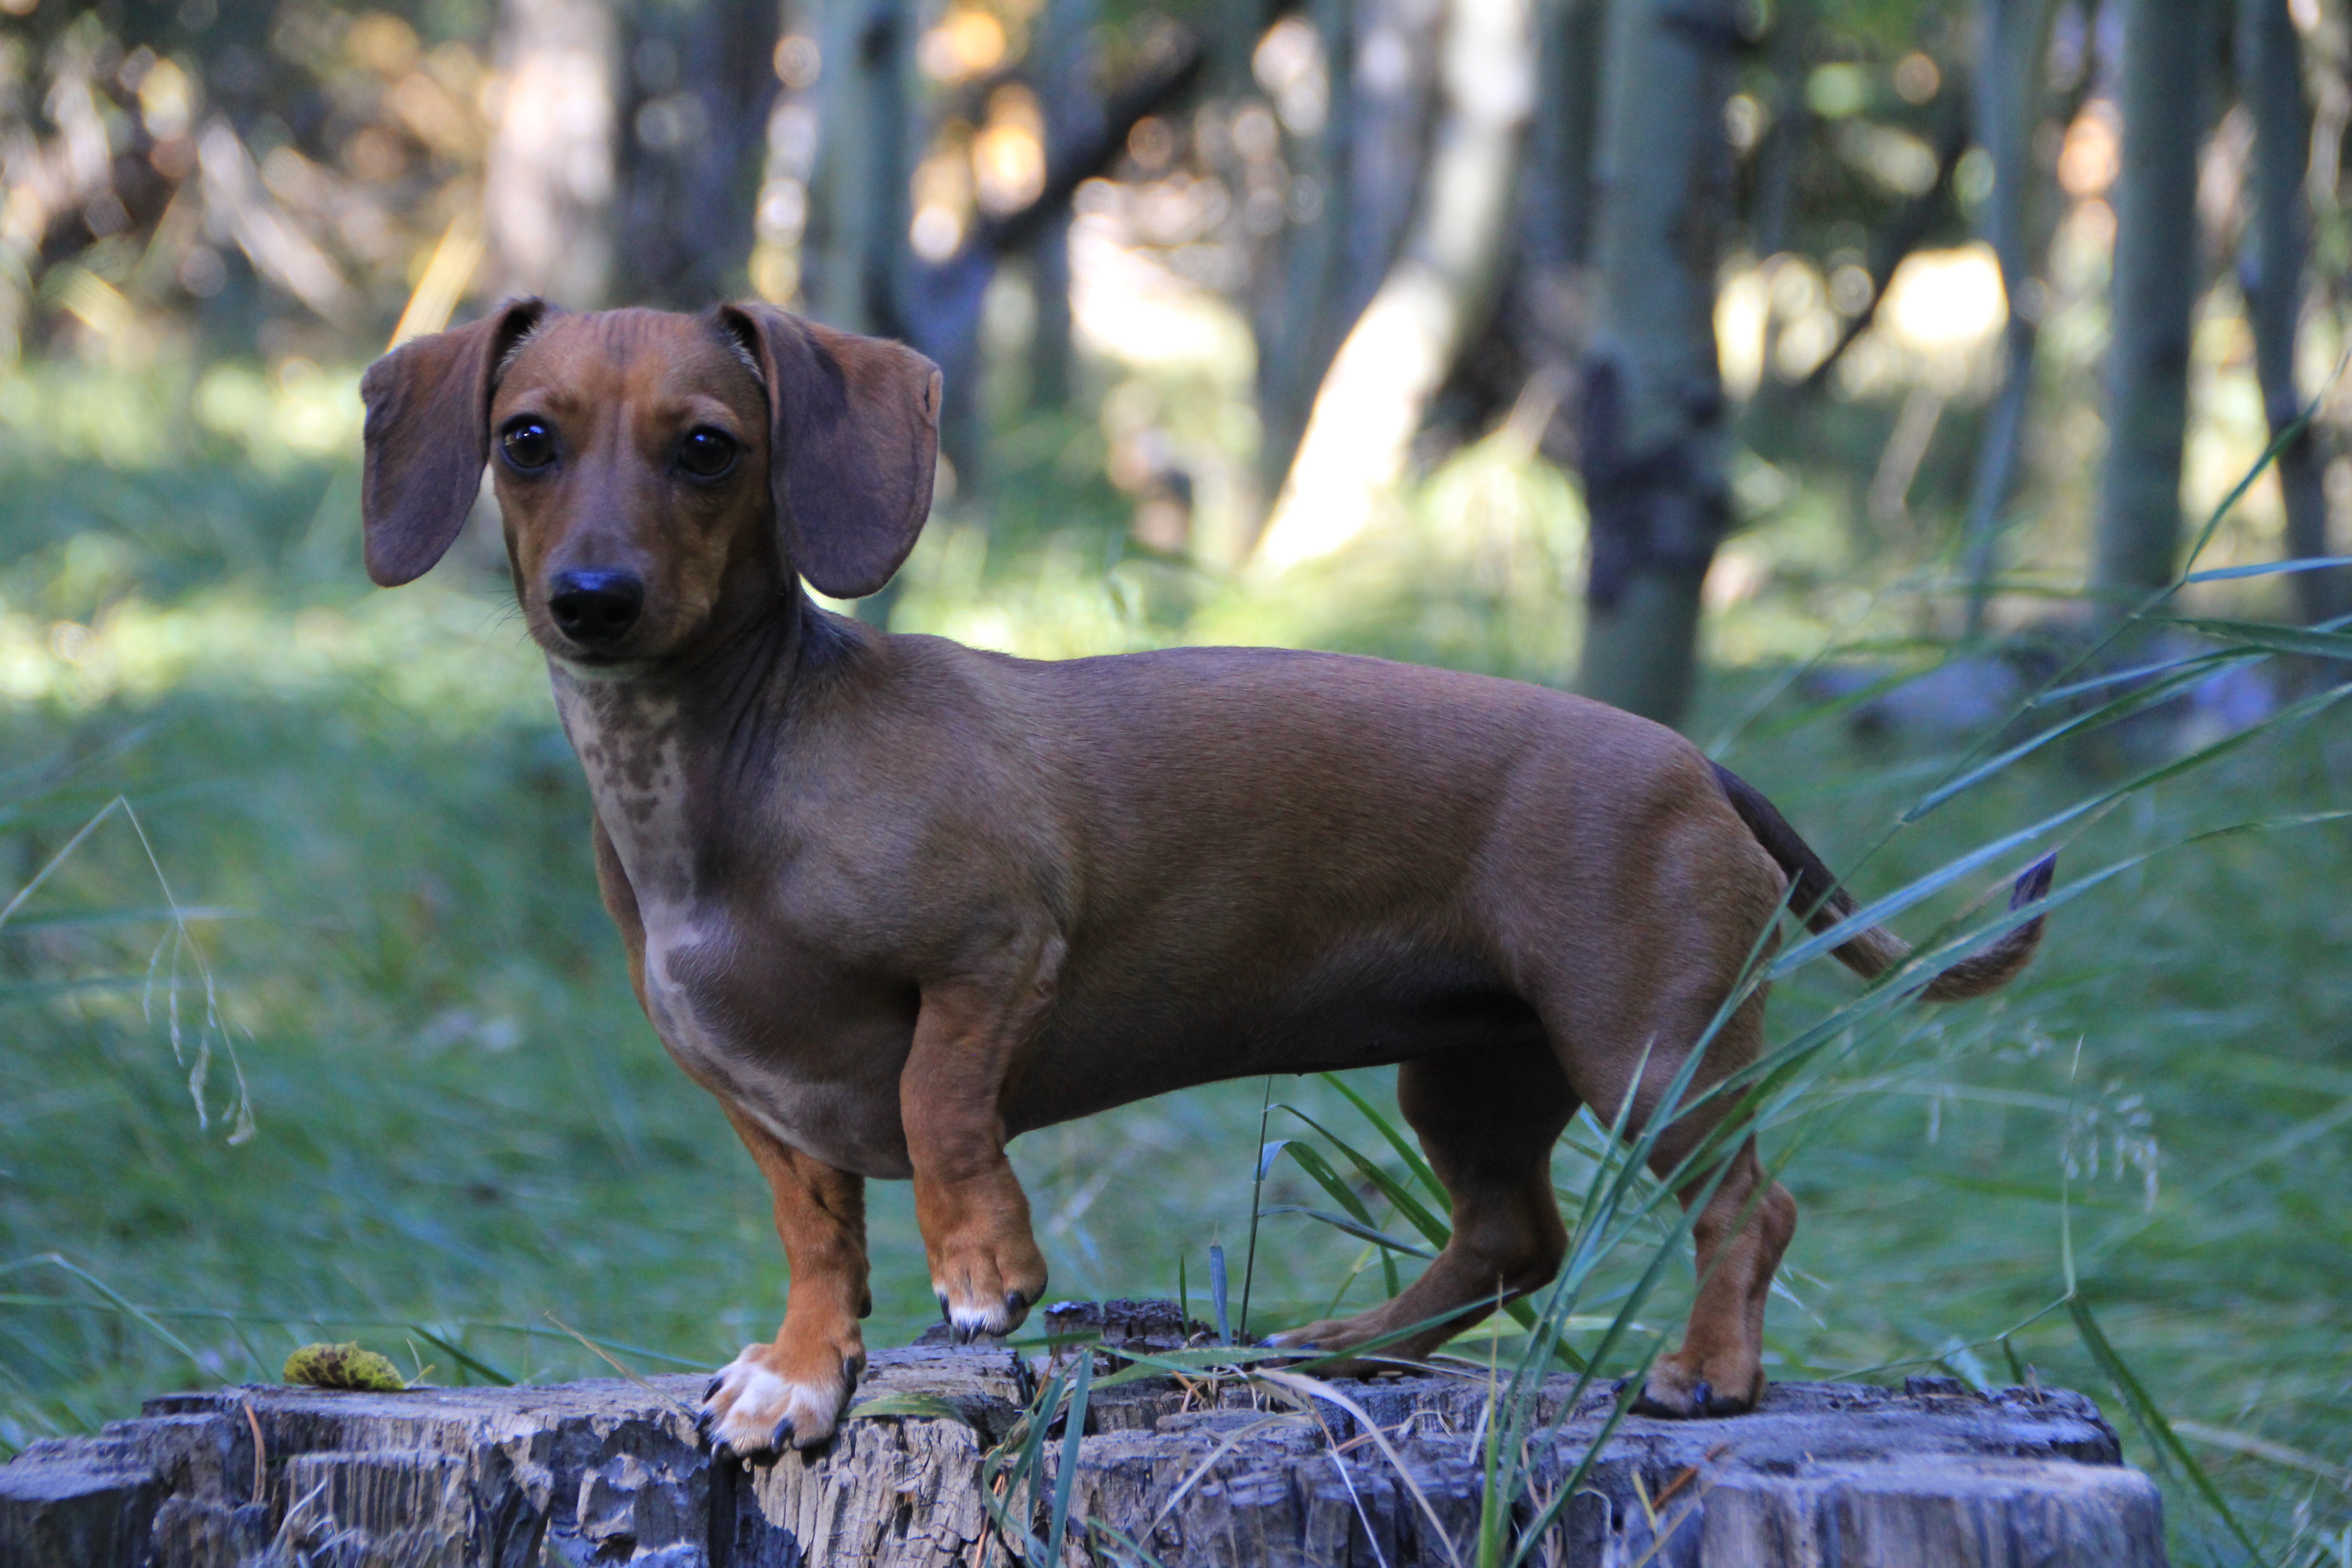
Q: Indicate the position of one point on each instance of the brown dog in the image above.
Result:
(895, 901)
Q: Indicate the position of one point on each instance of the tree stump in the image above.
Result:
(1933, 1476)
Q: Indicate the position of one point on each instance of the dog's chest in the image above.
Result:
(628, 747)
(723, 1007)
(725, 1019)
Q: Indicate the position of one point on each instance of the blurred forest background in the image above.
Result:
(1849, 382)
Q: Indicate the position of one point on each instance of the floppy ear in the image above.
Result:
(853, 438)
(428, 434)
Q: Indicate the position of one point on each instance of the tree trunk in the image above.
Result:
(548, 192)
(1380, 58)
(2155, 289)
(1654, 432)
(1435, 299)
(1052, 354)
(1311, 312)
(858, 266)
(1397, 48)
(2007, 111)
(859, 231)
(1072, 101)
(1784, 139)
(2270, 78)
(703, 78)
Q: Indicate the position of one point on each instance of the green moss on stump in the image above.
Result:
(344, 1366)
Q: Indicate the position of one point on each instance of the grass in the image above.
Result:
(464, 1131)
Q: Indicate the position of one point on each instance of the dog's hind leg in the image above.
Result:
(986, 1269)
(1487, 1119)
(1740, 1234)
(789, 1393)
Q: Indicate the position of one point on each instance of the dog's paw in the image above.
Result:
(1334, 1336)
(763, 1402)
(987, 1285)
(1684, 1393)
(1315, 1339)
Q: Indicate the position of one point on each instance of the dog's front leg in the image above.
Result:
(791, 1392)
(986, 1269)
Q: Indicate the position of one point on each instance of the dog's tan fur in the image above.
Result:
(895, 901)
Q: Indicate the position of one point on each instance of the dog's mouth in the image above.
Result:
(589, 665)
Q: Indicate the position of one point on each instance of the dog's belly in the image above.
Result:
(830, 1092)
(1372, 1007)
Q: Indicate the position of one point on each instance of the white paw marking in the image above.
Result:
(756, 1399)
(969, 1315)
(976, 1319)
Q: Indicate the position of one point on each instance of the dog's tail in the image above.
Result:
(1873, 952)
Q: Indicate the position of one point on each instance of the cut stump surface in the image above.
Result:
(611, 1472)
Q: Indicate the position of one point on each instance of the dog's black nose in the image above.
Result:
(595, 609)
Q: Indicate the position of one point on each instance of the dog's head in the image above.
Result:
(651, 465)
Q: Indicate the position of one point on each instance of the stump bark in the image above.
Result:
(1933, 1476)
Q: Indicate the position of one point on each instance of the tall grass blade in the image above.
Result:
(2138, 700)
(49, 867)
(1217, 1292)
(1305, 1156)
(1017, 1462)
(479, 1368)
(2210, 662)
(1934, 881)
(625, 1370)
(1358, 1229)
(2287, 437)
(1435, 1230)
(1065, 1475)
(1406, 1151)
(2269, 568)
(2308, 642)
(138, 1314)
(1257, 1188)
(2151, 1420)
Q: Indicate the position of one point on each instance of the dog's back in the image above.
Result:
(1273, 860)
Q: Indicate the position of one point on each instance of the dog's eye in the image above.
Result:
(528, 444)
(706, 454)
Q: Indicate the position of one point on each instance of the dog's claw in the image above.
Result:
(781, 1437)
(1645, 1405)
(712, 1386)
(1700, 1402)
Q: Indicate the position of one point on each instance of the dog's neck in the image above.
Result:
(663, 742)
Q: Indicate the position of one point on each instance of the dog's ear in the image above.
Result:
(428, 436)
(853, 438)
